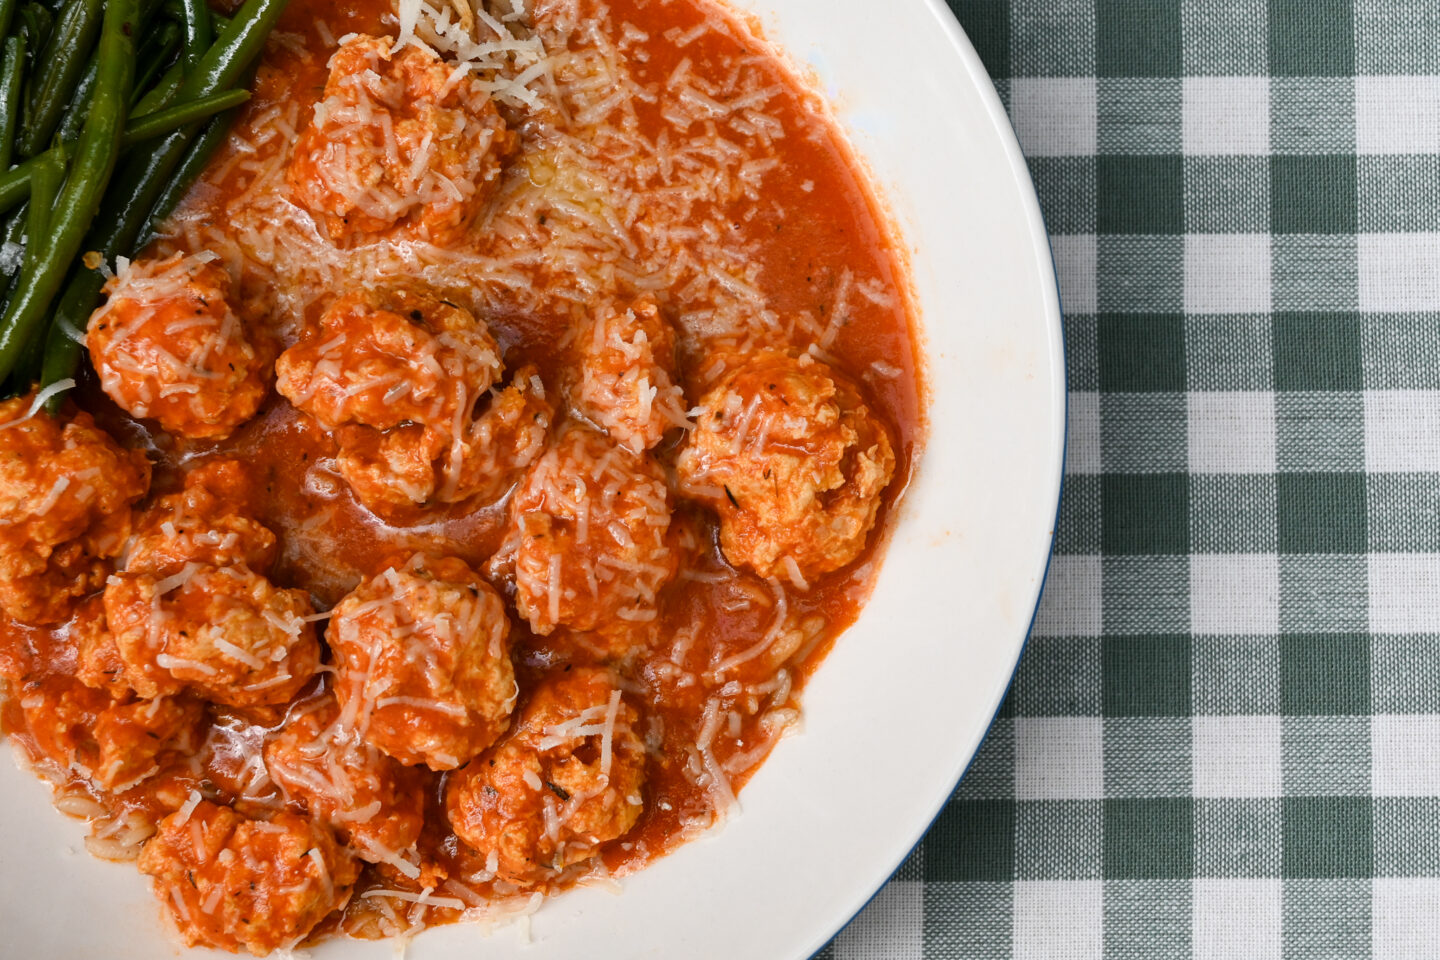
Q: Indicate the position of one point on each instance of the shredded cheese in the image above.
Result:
(41, 398)
(421, 898)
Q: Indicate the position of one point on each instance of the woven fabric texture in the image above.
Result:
(1224, 738)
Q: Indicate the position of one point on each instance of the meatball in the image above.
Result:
(794, 463)
(390, 357)
(565, 781)
(97, 659)
(626, 377)
(399, 143)
(398, 376)
(424, 662)
(412, 465)
(225, 632)
(488, 457)
(586, 543)
(207, 521)
(390, 469)
(65, 493)
(166, 345)
(191, 607)
(182, 537)
(115, 742)
(212, 488)
(373, 802)
(231, 882)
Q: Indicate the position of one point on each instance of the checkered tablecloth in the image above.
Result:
(1224, 737)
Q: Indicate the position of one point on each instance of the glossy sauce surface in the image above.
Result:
(818, 236)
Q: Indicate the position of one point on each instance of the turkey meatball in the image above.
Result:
(399, 144)
(166, 345)
(390, 357)
(65, 493)
(114, 741)
(373, 802)
(208, 521)
(486, 459)
(227, 633)
(626, 380)
(398, 376)
(793, 461)
(424, 662)
(98, 662)
(192, 608)
(565, 781)
(231, 882)
(587, 546)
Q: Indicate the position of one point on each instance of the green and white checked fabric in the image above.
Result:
(1224, 739)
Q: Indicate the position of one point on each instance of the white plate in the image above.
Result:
(900, 706)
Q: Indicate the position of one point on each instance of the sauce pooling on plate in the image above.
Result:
(476, 466)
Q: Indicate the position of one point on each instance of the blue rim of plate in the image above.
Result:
(975, 67)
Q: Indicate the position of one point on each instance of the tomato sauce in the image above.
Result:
(824, 245)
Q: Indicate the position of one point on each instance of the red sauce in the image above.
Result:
(816, 222)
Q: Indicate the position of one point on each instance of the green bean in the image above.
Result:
(28, 369)
(13, 232)
(35, 22)
(44, 183)
(95, 158)
(70, 318)
(156, 52)
(7, 15)
(236, 48)
(15, 182)
(148, 11)
(58, 72)
(194, 163)
(145, 176)
(162, 93)
(154, 102)
(182, 114)
(175, 10)
(12, 86)
(114, 231)
(79, 106)
(198, 32)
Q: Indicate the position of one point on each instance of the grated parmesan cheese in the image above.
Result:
(41, 398)
(421, 898)
(591, 210)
